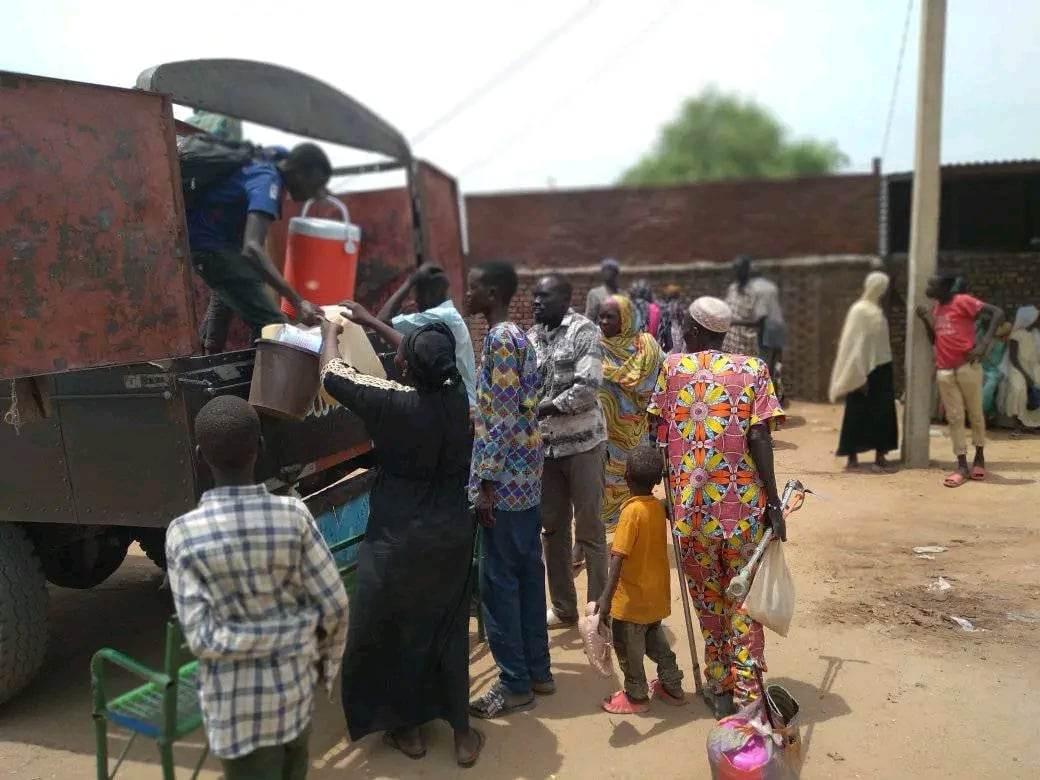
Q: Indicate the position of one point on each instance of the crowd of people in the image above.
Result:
(553, 438)
(542, 447)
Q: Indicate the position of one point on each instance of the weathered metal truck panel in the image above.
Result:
(92, 241)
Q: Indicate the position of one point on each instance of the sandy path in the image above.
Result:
(888, 687)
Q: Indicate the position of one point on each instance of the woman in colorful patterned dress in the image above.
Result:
(631, 362)
(716, 410)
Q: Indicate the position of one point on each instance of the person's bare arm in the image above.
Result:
(926, 319)
(760, 446)
(396, 301)
(329, 342)
(360, 315)
(996, 316)
(613, 578)
(257, 225)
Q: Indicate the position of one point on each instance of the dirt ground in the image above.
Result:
(889, 687)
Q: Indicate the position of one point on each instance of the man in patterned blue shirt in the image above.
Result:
(261, 603)
(506, 488)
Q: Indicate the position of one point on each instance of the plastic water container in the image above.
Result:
(321, 257)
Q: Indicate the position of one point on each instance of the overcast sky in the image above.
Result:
(592, 100)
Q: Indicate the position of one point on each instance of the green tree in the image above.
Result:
(723, 136)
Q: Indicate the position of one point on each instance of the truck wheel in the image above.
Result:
(88, 561)
(23, 611)
(153, 542)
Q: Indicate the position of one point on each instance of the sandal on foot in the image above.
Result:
(658, 691)
(978, 473)
(466, 763)
(390, 740)
(496, 703)
(954, 480)
(620, 704)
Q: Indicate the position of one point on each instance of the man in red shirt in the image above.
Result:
(958, 364)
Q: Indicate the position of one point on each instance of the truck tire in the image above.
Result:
(88, 561)
(153, 543)
(23, 611)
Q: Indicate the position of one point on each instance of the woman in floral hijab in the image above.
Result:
(632, 360)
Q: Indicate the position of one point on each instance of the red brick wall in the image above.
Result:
(712, 220)
(815, 293)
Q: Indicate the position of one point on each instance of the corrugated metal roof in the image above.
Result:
(983, 167)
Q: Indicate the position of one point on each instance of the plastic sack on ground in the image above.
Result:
(771, 598)
(745, 747)
(597, 640)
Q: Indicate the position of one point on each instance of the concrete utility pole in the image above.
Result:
(924, 231)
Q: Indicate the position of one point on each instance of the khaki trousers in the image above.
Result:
(961, 392)
(572, 488)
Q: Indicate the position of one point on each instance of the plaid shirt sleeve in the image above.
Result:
(190, 598)
(325, 588)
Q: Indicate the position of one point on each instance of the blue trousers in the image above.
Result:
(513, 595)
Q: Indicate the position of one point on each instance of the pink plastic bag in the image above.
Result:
(597, 640)
(745, 747)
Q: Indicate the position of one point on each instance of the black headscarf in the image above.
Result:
(430, 354)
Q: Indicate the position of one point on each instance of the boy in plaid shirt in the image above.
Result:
(261, 603)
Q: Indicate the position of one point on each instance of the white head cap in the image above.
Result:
(711, 313)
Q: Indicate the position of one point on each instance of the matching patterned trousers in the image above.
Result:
(733, 642)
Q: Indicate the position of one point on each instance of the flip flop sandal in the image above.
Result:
(978, 473)
(658, 691)
(391, 742)
(481, 740)
(955, 480)
(620, 704)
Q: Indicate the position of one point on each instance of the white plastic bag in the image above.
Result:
(597, 640)
(771, 598)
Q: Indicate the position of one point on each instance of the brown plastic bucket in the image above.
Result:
(285, 380)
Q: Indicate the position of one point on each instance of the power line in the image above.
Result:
(895, 82)
(508, 71)
(616, 56)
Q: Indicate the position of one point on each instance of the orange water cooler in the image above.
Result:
(321, 257)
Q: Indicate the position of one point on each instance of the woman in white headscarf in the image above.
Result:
(1021, 390)
(862, 375)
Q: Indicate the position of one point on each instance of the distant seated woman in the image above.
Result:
(407, 656)
(1021, 390)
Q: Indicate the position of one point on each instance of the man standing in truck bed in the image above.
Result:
(227, 229)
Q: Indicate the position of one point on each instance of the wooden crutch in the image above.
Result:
(683, 589)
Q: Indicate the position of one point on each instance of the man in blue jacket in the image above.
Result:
(227, 230)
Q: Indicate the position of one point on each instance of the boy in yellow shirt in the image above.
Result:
(638, 593)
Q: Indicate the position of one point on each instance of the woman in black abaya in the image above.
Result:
(407, 656)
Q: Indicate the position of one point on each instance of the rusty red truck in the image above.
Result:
(101, 373)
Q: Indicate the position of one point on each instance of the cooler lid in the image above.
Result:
(317, 227)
